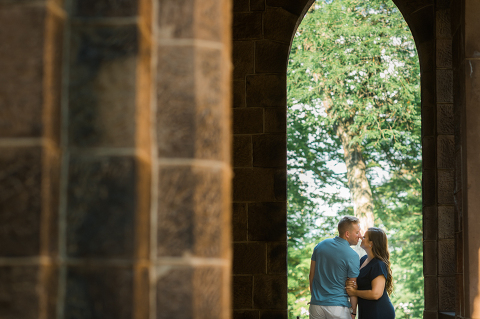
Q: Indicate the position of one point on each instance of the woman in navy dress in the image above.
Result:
(375, 282)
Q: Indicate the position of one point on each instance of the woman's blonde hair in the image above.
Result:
(380, 250)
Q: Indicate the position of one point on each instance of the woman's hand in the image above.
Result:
(351, 287)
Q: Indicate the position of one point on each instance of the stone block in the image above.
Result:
(275, 120)
(267, 221)
(273, 314)
(245, 314)
(249, 258)
(279, 26)
(49, 274)
(269, 150)
(191, 120)
(238, 94)
(472, 29)
(445, 86)
(446, 184)
(428, 152)
(19, 296)
(265, 90)
(446, 257)
(428, 187)
(104, 8)
(430, 223)
(248, 120)
(422, 16)
(446, 293)
(430, 258)
(142, 289)
(428, 92)
(431, 293)
(257, 5)
(190, 211)
(446, 222)
(210, 292)
(280, 184)
(240, 222)
(99, 292)
(21, 63)
(271, 57)
(443, 24)
(174, 292)
(247, 26)
(20, 201)
(191, 19)
(257, 184)
(241, 5)
(445, 119)
(426, 56)
(243, 58)
(242, 151)
(102, 86)
(101, 207)
(242, 292)
(277, 258)
(446, 151)
(444, 53)
(294, 7)
(270, 292)
(428, 121)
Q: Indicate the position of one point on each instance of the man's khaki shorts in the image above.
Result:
(329, 312)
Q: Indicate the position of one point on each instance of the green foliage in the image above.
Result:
(354, 62)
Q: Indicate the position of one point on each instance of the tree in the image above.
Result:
(354, 97)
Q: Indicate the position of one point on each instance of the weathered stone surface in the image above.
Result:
(266, 90)
(20, 201)
(270, 292)
(102, 86)
(243, 58)
(428, 121)
(257, 5)
(428, 152)
(294, 7)
(276, 258)
(242, 292)
(190, 208)
(445, 86)
(446, 184)
(249, 258)
(245, 314)
(446, 257)
(101, 207)
(446, 222)
(446, 293)
(19, 295)
(444, 53)
(209, 294)
(273, 314)
(191, 121)
(174, 292)
(238, 94)
(239, 222)
(275, 120)
(254, 184)
(430, 258)
(105, 8)
(443, 24)
(422, 20)
(248, 120)
(267, 221)
(428, 187)
(241, 5)
(271, 57)
(99, 293)
(187, 19)
(430, 223)
(242, 151)
(426, 55)
(247, 26)
(280, 185)
(446, 151)
(269, 150)
(431, 293)
(445, 119)
(21, 64)
(279, 26)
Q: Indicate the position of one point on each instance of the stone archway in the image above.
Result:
(262, 35)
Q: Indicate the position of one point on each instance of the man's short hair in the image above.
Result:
(346, 223)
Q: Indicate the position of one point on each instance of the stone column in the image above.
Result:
(31, 35)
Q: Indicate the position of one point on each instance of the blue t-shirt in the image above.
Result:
(335, 261)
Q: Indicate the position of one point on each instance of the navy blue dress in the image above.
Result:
(373, 309)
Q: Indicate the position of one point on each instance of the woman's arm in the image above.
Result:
(378, 286)
(311, 274)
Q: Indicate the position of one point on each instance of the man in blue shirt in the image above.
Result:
(333, 261)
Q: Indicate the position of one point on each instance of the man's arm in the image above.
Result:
(312, 274)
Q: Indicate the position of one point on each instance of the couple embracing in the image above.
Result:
(336, 273)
